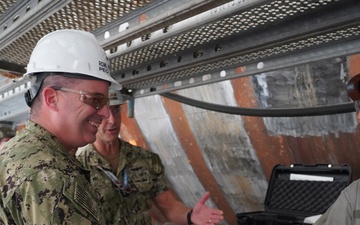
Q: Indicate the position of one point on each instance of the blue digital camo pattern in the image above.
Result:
(41, 183)
(145, 176)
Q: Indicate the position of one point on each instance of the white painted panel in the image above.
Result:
(226, 147)
(157, 129)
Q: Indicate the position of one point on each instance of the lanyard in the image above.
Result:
(123, 187)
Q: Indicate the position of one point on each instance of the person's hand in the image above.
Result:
(203, 215)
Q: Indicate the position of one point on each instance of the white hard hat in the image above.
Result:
(71, 51)
(115, 97)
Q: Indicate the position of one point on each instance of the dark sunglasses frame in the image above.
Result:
(95, 100)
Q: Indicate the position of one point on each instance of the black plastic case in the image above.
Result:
(290, 201)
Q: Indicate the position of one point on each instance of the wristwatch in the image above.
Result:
(189, 217)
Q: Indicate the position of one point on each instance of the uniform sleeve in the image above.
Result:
(82, 156)
(48, 198)
(158, 171)
(345, 210)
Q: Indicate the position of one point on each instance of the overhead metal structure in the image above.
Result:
(159, 46)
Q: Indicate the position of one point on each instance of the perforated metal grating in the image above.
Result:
(78, 14)
(5, 5)
(175, 51)
(97, 16)
(260, 16)
(253, 56)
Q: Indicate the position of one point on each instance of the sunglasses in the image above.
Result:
(357, 106)
(95, 100)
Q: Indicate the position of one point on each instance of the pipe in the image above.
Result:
(278, 112)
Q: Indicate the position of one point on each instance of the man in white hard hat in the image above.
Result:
(131, 178)
(346, 209)
(41, 182)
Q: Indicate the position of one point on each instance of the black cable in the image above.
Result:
(278, 112)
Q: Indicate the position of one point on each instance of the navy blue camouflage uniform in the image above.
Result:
(126, 197)
(41, 183)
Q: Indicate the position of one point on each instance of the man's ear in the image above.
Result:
(50, 98)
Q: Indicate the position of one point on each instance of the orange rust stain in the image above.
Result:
(354, 65)
(240, 69)
(9, 75)
(142, 18)
(189, 144)
(270, 150)
(19, 128)
(327, 149)
(309, 149)
(130, 124)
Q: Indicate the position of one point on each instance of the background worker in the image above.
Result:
(6, 134)
(346, 209)
(41, 182)
(136, 178)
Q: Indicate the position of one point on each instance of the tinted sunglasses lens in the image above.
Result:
(95, 101)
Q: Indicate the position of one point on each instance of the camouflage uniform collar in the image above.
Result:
(122, 156)
(45, 134)
(98, 159)
(124, 149)
(51, 139)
